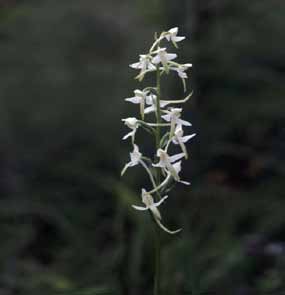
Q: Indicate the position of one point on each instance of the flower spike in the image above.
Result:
(168, 127)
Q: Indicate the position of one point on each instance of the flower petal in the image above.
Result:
(188, 137)
(134, 99)
(140, 208)
(172, 232)
(176, 157)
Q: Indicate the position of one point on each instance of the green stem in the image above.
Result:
(157, 262)
(156, 289)
(158, 112)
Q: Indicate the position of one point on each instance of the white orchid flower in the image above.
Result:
(165, 162)
(151, 101)
(139, 98)
(177, 167)
(144, 64)
(171, 35)
(180, 69)
(147, 199)
(132, 123)
(135, 159)
(178, 138)
(173, 116)
(163, 57)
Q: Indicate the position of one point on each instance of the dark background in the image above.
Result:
(65, 218)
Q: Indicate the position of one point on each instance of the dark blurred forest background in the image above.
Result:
(66, 225)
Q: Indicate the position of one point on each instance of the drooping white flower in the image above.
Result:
(135, 159)
(147, 199)
(178, 138)
(163, 57)
(181, 70)
(132, 123)
(177, 167)
(171, 35)
(165, 162)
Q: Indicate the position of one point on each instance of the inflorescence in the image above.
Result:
(168, 119)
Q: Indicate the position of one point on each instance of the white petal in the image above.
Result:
(183, 122)
(149, 109)
(136, 65)
(173, 31)
(160, 201)
(182, 74)
(128, 135)
(125, 169)
(134, 99)
(140, 208)
(188, 137)
(163, 103)
(177, 167)
(166, 117)
(151, 67)
(156, 59)
(170, 56)
(185, 182)
(176, 157)
(178, 39)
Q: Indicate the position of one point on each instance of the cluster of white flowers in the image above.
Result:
(168, 118)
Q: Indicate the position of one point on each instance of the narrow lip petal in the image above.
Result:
(128, 135)
(140, 208)
(172, 232)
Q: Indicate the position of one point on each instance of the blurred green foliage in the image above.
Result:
(66, 222)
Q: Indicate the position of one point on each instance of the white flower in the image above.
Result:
(132, 123)
(163, 57)
(171, 35)
(178, 138)
(173, 116)
(144, 64)
(147, 199)
(181, 70)
(139, 98)
(151, 101)
(135, 159)
(165, 162)
(177, 167)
